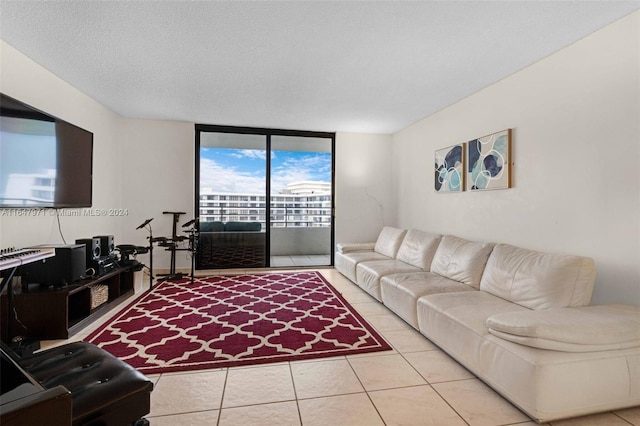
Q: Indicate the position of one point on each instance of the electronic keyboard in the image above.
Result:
(10, 258)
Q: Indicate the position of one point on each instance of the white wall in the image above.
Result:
(30, 83)
(365, 200)
(576, 134)
(158, 176)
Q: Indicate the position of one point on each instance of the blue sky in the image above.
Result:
(227, 170)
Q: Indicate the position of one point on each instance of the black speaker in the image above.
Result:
(107, 246)
(92, 248)
(66, 267)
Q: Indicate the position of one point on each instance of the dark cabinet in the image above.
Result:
(58, 313)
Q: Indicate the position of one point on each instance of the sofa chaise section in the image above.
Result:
(546, 384)
(522, 292)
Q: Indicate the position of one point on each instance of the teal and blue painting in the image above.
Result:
(488, 162)
(449, 169)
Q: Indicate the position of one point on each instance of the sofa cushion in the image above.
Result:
(418, 248)
(389, 241)
(346, 263)
(583, 329)
(461, 260)
(400, 292)
(368, 273)
(538, 280)
(457, 321)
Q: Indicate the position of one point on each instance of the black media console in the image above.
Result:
(45, 313)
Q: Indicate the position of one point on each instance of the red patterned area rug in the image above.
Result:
(226, 321)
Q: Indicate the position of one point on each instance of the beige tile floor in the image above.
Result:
(413, 384)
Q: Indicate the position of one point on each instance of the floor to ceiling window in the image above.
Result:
(264, 197)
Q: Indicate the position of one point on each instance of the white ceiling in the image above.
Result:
(355, 66)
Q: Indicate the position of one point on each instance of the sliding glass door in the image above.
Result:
(301, 201)
(232, 200)
(264, 197)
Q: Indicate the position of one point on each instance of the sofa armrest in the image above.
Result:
(351, 247)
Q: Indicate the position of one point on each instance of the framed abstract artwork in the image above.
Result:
(489, 162)
(449, 169)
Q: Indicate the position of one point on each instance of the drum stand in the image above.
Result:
(146, 224)
(170, 245)
(193, 244)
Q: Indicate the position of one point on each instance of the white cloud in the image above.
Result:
(259, 154)
(228, 180)
(307, 168)
(223, 179)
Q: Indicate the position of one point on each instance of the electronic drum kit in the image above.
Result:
(173, 244)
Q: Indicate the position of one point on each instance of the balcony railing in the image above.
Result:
(287, 217)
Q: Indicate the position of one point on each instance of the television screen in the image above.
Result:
(44, 161)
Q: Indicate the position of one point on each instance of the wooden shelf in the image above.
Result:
(59, 313)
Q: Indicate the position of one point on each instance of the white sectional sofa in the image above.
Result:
(520, 320)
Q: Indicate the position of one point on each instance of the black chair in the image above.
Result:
(104, 390)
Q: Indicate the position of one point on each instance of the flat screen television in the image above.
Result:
(45, 162)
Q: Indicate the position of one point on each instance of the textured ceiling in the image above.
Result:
(328, 66)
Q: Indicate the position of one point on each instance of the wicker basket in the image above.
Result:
(99, 295)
